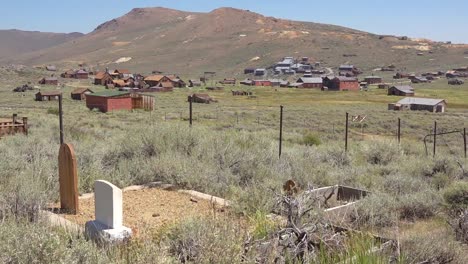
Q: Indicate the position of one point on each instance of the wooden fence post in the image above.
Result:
(68, 179)
(464, 141)
(399, 130)
(61, 119)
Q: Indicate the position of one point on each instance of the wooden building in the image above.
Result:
(341, 83)
(68, 74)
(310, 82)
(122, 73)
(49, 81)
(261, 82)
(81, 74)
(80, 93)
(405, 90)
(102, 78)
(373, 79)
(195, 83)
(48, 95)
(109, 101)
(419, 104)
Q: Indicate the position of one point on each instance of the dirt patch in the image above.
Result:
(149, 210)
(120, 43)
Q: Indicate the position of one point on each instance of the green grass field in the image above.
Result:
(232, 151)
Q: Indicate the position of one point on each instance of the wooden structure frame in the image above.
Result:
(13, 126)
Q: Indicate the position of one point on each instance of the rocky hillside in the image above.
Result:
(226, 40)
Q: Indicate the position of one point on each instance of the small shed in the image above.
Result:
(81, 74)
(80, 93)
(48, 95)
(195, 83)
(68, 74)
(49, 81)
(420, 104)
(108, 101)
(404, 90)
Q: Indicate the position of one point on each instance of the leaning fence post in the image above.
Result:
(61, 119)
(346, 132)
(435, 138)
(281, 130)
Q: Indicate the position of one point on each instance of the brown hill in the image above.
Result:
(227, 40)
(15, 42)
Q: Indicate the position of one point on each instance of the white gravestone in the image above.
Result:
(109, 216)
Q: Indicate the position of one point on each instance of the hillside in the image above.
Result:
(16, 42)
(226, 40)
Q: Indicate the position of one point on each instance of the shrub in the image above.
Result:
(434, 247)
(53, 111)
(206, 241)
(456, 196)
(310, 139)
(381, 153)
(420, 205)
(375, 211)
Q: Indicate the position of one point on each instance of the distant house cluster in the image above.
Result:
(124, 80)
(75, 74)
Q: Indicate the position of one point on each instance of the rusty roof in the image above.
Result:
(100, 75)
(156, 78)
(50, 93)
(122, 71)
(81, 90)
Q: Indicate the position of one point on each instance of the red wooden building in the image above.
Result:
(261, 83)
(342, 83)
(108, 101)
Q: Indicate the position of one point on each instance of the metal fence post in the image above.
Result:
(346, 132)
(190, 109)
(435, 138)
(281, 130)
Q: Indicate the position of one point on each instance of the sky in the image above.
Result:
(436, 20)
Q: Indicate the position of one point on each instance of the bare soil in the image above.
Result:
(150, 210)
